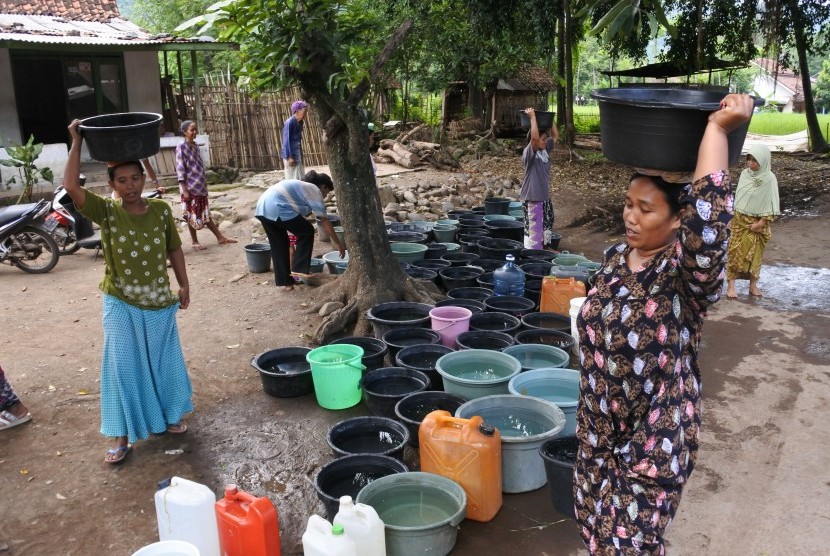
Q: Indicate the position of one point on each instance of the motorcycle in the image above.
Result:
(26, 240)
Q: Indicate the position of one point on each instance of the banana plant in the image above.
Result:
(626, 17)
(23, 158)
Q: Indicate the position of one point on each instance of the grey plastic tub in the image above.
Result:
(524, 423)
(559, 386)
(475, 373)
(421, 512)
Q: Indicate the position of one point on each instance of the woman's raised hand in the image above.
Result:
(73, 130)
(735, 110)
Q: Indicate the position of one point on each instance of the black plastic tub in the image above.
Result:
(538, 254)
(498, 248)
(374, 350)
(555, 238)
(460, 259)
(435, 251)
(544, 120)
(422, 358)
(479, 294)
(515, 305)
(496, 205)
(489, 265)
(422, 274)
(347, 475)
(123, 136)
(548, 321)
(398, 314)
(383, 388)
(507, 229)
(660, 128)
(432, 264)
(484, 339)
(500, 322)
(399, 338)
(559, 455)
(555, 338)
(474, 305)
(407, 237)
(486, 280)
(469, 244)
(412, 409)
(284, 372)
(460, 277)
(457, 213)
(368, 435)
(533, 290)
(537, 270)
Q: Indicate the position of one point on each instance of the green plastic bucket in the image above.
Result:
(336, 371)
(421, 512)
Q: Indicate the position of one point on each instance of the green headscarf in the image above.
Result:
(757, 193)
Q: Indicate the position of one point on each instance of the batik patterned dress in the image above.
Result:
(638, 417)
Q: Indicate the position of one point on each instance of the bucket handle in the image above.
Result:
(451, 323)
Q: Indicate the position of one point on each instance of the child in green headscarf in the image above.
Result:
(756, 206)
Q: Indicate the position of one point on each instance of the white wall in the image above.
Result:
(9, 124)
(143, 82)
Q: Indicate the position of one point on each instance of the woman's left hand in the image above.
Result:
(758, 226)
(184, 297)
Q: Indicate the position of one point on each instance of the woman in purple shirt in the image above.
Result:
(536, 202)
(190, 172)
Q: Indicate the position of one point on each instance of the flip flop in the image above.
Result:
(9, 419)
(179, 428)
(119, 455)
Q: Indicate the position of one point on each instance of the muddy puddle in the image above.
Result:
(791, 288)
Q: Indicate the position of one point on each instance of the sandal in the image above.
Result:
(178, 428)
(9, 419)
(117, 455)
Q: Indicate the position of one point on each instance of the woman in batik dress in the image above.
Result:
(638, 417)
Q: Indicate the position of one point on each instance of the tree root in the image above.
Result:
(336, 322)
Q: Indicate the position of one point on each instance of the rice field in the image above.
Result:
(586, 120)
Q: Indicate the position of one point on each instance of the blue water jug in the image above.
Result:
(509, 279)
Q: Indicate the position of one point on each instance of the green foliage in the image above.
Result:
(23, 158)
(821, 92)
(625, 25)
(776, 123)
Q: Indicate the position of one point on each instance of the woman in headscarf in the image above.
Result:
(292, 141)
(756, 206)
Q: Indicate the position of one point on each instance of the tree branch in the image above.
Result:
(391, 45)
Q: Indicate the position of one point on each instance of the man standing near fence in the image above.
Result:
(292, 141)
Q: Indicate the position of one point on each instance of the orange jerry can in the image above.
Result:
(468, 451)
(248, 525)
(557, 293)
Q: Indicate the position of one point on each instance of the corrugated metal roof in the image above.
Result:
(49, 30)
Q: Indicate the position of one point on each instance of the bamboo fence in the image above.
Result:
(246, 131)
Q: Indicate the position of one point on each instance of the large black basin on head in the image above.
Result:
(544, 120)
(660, 128)
(122, 137)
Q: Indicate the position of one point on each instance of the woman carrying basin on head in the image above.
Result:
(144, 384)
(638, 417)
(535, 194)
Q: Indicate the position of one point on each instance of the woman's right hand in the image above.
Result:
(735, 110)
(73, 130)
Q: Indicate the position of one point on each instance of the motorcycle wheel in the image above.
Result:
(34, 250)
(69, 244)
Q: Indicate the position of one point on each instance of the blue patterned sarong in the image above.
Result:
(144, 382)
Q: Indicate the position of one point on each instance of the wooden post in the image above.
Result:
(197, 94)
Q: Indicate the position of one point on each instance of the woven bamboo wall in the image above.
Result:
(246, 132)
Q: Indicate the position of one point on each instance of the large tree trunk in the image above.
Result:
(560, 67)
(818, 144)
(567, 108)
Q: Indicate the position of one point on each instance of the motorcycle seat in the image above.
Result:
(14, 212)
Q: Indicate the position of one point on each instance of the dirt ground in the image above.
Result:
(757, 488)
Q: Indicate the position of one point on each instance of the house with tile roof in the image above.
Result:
(66, 59)
(780, 86)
